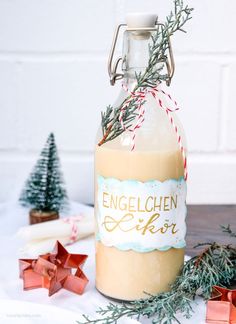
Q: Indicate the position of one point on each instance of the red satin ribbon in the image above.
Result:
(221, 308)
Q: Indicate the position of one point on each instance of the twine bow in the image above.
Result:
(140, 96)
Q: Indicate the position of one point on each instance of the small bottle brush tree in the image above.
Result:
(44, 191)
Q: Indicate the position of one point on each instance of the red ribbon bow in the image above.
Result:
(221, 308)
(54, 271)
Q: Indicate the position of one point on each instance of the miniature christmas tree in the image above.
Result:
(44, 190)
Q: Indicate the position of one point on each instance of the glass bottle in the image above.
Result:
(139, 194)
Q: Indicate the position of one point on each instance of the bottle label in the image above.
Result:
(141, 216)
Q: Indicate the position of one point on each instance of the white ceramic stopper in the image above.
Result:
(141, 20)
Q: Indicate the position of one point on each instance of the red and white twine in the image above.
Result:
(140, 97)
(74, 227)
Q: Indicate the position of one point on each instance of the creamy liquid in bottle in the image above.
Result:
(130, 258)
(128, 274)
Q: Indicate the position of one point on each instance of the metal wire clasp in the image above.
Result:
(113, 66)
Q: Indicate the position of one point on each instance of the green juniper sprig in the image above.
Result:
(160, 44)
(216, 265)
(111, 126)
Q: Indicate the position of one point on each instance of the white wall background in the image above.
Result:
(53, 77)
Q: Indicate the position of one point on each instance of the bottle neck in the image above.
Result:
(129, 79)
(135, 56)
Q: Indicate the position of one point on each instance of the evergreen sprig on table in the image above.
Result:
(111, 126)
(227, 229)
(45, 189)
(215, 265)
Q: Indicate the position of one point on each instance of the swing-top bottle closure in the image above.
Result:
(140, 24)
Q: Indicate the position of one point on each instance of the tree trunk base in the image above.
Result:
(37, 216)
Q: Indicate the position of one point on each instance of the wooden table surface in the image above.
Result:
(203, 222)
